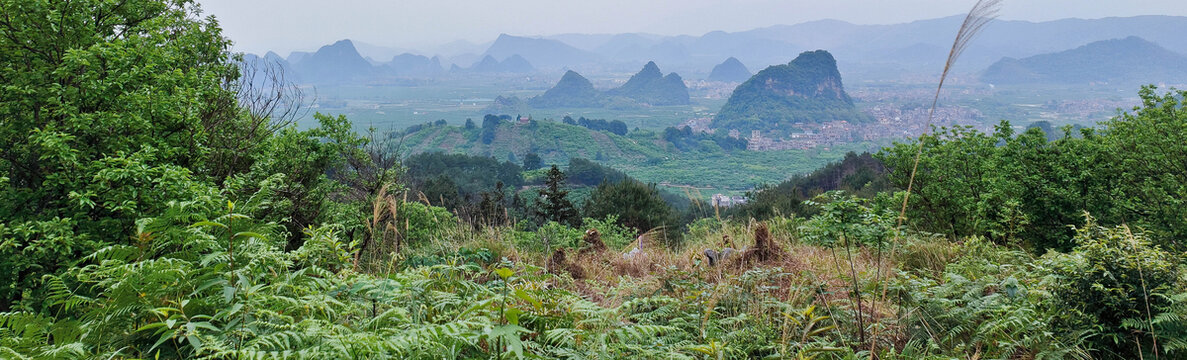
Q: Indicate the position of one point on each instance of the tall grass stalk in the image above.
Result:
(980, 15)
(1145, 294)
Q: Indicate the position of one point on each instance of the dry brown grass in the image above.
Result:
(608, 276)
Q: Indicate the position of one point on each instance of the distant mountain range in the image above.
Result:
(411, 65)
(542, 52)
(866, 51)
(649, 86)
(806, 90)
(916, 46)
(513, 64)
(1128, 61)
(341, 62)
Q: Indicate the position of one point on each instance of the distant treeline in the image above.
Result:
(862, 175)
(484, 190)
(616, 127)
(686, 140)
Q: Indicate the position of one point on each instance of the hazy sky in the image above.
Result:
(286, 25)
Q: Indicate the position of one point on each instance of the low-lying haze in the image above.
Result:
(286, 25)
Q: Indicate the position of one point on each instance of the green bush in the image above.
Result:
(1111, 285)
(421, 223)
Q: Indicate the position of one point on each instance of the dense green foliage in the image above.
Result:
(456, 176)
(532, 161)
(636, 205)
(685, 140)
(1030, 189)
(862, 175)
(643, 154)
(190, 226)
(616, 127)
(589, 173)
(808, 89)
(553, 200)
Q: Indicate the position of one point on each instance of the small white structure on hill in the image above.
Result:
(720, 200)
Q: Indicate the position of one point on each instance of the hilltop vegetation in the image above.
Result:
(808, 89)
(861, 175)
(149, 210)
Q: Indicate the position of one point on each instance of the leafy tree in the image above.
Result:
(553, 200)
(616, 127)
(1148, 148)
(585, 172)
(458, 177)
(861, 175)
(490, 125)
(532, 161)
(846, 221)
(126, 108)
(492, 209)
(111, 111)
(441, 191)
(950, 181)
(637, 205)
(1024, 187)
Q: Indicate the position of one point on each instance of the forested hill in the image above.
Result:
(1130, 61)
(731, 70)
(573, 90)
(675, 156)
(651, 86)
(808, 89)
(554, 142)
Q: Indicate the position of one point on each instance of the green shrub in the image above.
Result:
(615, 236)
(421, 222)
(1110, 285)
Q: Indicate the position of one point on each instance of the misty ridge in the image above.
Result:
(864, 52)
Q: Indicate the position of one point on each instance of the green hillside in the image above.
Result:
(808, 89)
(641, 154)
